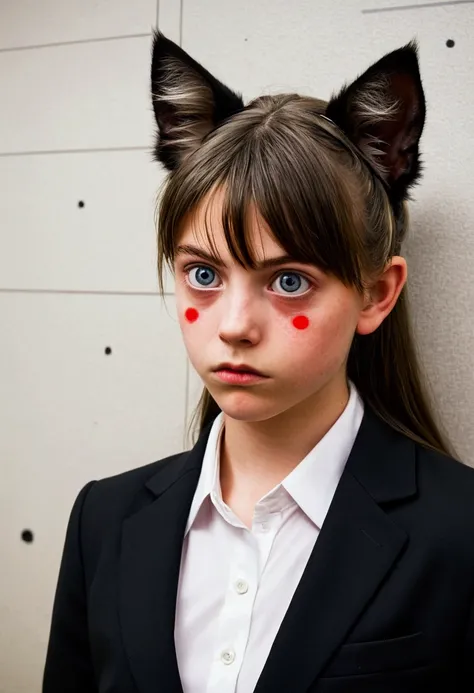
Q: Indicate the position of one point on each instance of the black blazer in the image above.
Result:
(385, 604)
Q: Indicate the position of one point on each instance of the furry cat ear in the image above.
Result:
(187, 100)
(383, 113)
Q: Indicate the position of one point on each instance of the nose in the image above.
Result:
(241, 319)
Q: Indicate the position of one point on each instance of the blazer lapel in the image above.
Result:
(149, 571)
(355, 550)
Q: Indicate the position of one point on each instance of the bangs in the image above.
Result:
(305, 188)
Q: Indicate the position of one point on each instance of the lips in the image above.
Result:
(238, 368)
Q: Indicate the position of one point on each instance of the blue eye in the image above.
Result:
(290, 282)
(203, 275)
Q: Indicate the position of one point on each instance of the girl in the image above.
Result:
(319, 535)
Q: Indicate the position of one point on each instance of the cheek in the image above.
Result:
(191, 315)
(301, 322)
(318, 338)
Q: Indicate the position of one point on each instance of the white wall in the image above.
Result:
(76, 124)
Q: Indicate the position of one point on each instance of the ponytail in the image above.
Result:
(384, 367)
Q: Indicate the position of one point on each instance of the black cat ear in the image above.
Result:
(383, 113)
(187, 100)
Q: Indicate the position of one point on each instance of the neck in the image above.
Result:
(257, 455)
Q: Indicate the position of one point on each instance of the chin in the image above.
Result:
(243, 406)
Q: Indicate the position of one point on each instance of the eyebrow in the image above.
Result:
(217, 261)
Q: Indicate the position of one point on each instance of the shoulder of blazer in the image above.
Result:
(448, 485)
(442, 516)
(111, 500)
(402, 475)
(121, 489)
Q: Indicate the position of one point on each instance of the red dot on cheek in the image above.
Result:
(191, 314)
(301, 322)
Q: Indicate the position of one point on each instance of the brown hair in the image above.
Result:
(326, 207)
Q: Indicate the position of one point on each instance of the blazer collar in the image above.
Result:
(383, 460)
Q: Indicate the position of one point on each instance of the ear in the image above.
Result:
(383, 113)
(187, 100)
(383, 295)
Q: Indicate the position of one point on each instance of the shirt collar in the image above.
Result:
(312, 483)
(208, 479)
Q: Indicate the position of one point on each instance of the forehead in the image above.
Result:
(203, 227)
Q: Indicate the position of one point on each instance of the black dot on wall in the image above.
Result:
(450, 43)
(81, 203)
(27, 536)
(108, 350)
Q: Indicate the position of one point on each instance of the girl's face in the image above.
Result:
(288, 320)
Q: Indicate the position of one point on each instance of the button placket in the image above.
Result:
(235, 616)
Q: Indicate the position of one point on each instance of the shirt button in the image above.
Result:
(228, 656)
(241, 587)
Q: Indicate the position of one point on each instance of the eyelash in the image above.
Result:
(188, 268)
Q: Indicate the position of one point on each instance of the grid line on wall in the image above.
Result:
(86, 150)
(423, 6)
(84, 292)
(73, 42)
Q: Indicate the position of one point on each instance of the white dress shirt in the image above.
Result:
(236, 583)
